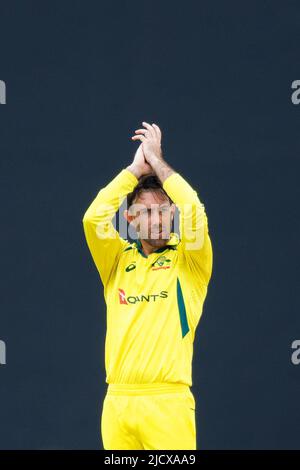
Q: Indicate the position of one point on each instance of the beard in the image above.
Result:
(156, 243)
(157, 240)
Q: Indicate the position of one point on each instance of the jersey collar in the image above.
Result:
(171, 244)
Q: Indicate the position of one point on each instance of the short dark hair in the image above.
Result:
(146, 183)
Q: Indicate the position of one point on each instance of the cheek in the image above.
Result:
(141, 222)
(167, 219)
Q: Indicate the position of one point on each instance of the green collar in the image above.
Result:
(171, 244)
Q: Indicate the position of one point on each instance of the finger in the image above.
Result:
(157, 129)
(138, 137)
(149, 128)
(146, 132)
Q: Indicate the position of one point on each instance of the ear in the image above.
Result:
(127, 216)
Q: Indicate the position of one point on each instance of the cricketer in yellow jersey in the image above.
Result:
(154, 290)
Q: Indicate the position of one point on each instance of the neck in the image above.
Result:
(148, 249)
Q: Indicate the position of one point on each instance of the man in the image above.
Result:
(154, 289)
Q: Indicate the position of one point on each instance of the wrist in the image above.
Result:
(153, 159)
(161, 168)
(134, 170)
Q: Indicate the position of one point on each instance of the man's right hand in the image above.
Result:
(139, 166)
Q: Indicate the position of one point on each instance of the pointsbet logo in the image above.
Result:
(133, 299)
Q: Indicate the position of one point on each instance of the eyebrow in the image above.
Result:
(160, 206)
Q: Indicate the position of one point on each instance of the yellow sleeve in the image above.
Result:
(194, 234)
(103, 240)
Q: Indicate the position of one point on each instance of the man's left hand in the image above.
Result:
(151, 141)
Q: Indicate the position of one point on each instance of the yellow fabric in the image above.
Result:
(145, 389)
(149, 419)
(154, 307)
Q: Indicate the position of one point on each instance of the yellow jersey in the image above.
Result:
(154, 302)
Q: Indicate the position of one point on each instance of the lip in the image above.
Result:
(157, 233)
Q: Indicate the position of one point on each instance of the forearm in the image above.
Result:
(134, 170)
(104, 241)
(193, 220)
(162, 169)
(109, 198)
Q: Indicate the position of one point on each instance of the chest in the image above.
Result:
(155, 269)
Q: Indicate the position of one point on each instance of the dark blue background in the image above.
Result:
(216, 77)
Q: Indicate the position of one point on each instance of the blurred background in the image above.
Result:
(217, 78)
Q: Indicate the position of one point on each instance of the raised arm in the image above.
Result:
(195, 241)
(103, 240)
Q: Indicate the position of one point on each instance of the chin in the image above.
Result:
(157, 242)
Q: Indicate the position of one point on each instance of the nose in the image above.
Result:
(156, 219)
